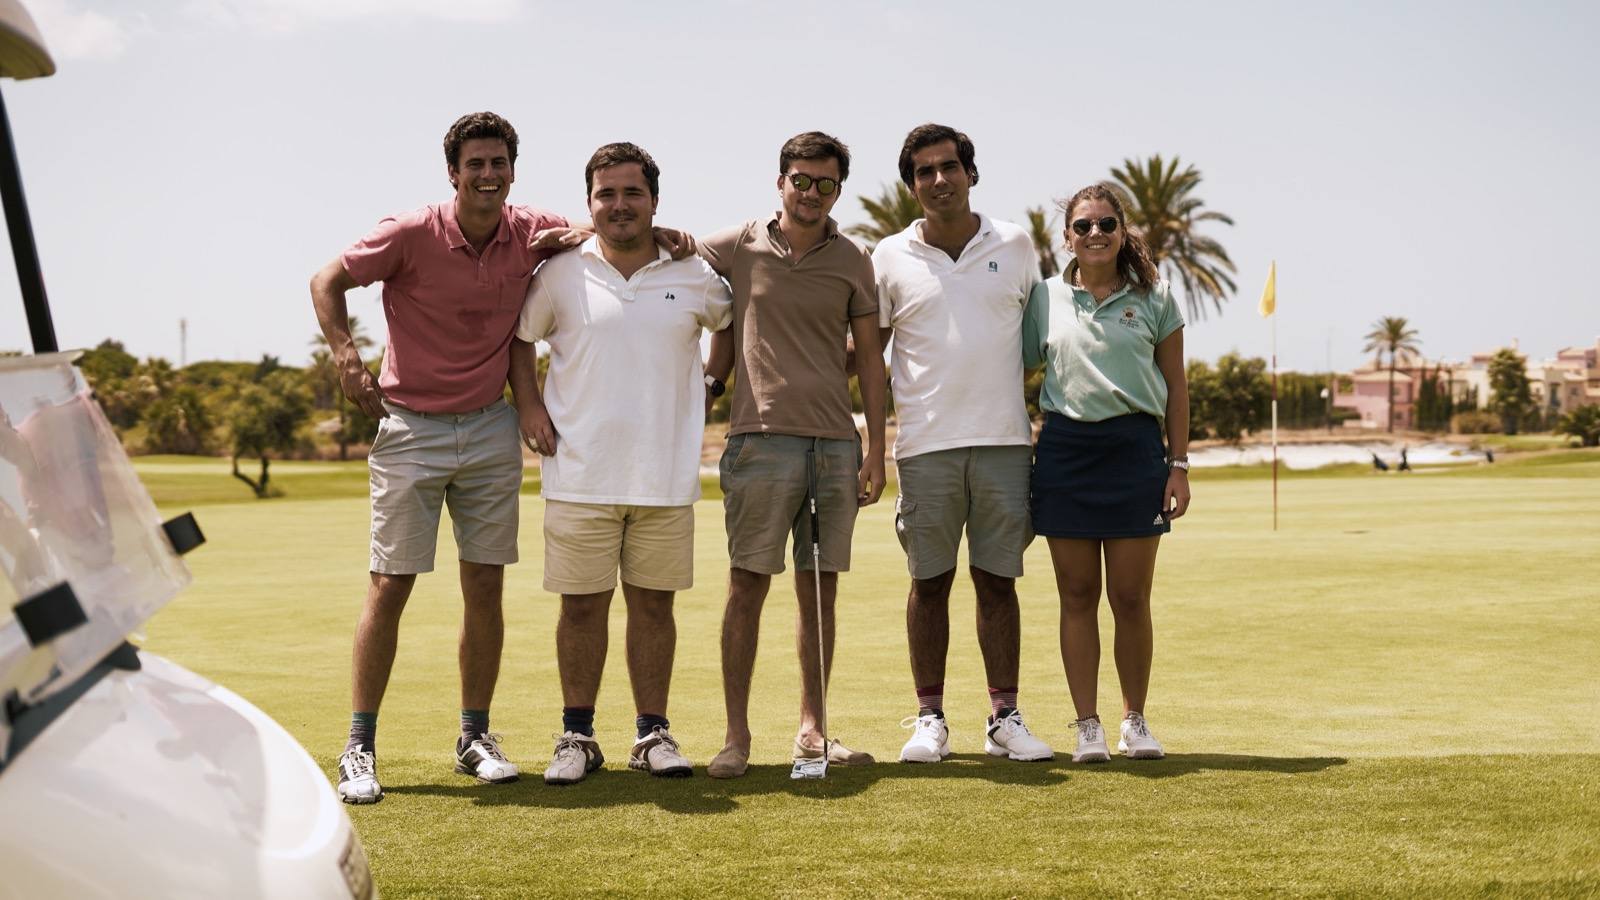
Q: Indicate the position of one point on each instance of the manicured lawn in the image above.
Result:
(1398, 693)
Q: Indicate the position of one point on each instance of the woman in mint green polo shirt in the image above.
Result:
(1105, 485)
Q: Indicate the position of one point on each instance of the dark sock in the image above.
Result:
(930, 700)
(646, 723)
(578, 719)
(363, 732)
(474, 724)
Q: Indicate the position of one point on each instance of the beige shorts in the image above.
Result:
(586, 543)
(422, 461)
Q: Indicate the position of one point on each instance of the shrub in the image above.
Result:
(1475, 421)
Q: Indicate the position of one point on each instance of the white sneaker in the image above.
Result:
(1137, 742)
(930, 742)
(576, 756)
(1091, 742)
(1009, 737)
(657, 753)
(482, 759)
(358, 777)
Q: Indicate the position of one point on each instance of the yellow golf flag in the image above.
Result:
(1269, 294)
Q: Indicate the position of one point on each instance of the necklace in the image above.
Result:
(1077, 281)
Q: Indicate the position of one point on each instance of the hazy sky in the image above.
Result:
(199, 159)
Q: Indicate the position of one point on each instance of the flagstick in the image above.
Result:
(1274, 422)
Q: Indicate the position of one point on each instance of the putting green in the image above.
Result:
(1396, 693)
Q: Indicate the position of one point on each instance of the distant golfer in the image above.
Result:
(454, 275)
(620, 425)
(800, 288)
(1104, 487)
(951, 290)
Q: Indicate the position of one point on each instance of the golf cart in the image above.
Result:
(121, 774)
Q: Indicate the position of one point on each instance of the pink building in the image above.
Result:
(1366, 391)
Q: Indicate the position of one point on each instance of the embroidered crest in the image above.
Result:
(1128, 319)
(994, 266)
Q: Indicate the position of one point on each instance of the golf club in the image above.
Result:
(817, 768)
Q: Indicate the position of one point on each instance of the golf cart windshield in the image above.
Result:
(71, 511)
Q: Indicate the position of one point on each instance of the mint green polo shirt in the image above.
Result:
(1099, 359)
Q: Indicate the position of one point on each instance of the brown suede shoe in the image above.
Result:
(730, 762)
(838, 754)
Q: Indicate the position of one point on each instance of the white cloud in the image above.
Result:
(288, 15)
(73, 33)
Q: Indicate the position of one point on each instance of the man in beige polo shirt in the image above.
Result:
(800, 291)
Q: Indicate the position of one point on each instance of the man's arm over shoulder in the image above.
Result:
(718, 248)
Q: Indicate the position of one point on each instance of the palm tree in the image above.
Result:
(1041, 228)
(1391, 334)
(326, 376)
(1159, 203)
(891, 212)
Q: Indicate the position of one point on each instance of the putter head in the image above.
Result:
(809, 769)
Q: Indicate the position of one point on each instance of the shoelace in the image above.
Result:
(564, 743)
(917, 721)
(1013, 722)
(1088, 729)
(665, 738)
(1137, 726)
(359, 764)
(491, 746)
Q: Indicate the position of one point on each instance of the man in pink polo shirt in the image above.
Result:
(454, 276)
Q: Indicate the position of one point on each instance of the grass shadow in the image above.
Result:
(1175, 765)
(702, 795)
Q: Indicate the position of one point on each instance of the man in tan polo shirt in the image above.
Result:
(800, 290)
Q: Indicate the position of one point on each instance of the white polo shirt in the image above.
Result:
(956, 357)
(626, 389)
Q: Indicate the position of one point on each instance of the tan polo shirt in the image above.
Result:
(791, 319)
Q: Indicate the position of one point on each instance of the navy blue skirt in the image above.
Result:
(1100, 479)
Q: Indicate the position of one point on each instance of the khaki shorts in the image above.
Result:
(984, 489)
(764, 499)
(585, 543)
(422, 461)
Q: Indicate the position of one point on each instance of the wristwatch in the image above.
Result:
(715, 386)
(1179, 462)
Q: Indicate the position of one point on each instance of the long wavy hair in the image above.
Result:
(1133, 260)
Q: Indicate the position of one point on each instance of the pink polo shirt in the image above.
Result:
(451, 312)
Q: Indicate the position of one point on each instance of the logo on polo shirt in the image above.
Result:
(1128, 318)
(994, 266)
(671, 296)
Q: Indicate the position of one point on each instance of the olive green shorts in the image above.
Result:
(764, 499)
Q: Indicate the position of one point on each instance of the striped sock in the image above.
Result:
(578, 720)
(930, 700)
(474, 723)
(1003, 701)
(363, 732)
(646, 723)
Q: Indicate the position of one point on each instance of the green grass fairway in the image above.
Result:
(1396, 694)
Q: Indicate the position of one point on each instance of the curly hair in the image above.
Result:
(478, 125)
(1133, 260)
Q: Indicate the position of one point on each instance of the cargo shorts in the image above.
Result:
(981, 489)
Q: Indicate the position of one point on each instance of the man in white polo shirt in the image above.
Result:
(951, 290)
(619, 425)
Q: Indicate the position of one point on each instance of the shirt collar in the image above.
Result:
(591, 249)
(985, 228)
(452, 226)
(830, 228)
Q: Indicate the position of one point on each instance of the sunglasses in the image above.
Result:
(803, 183)
(1108, 224)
